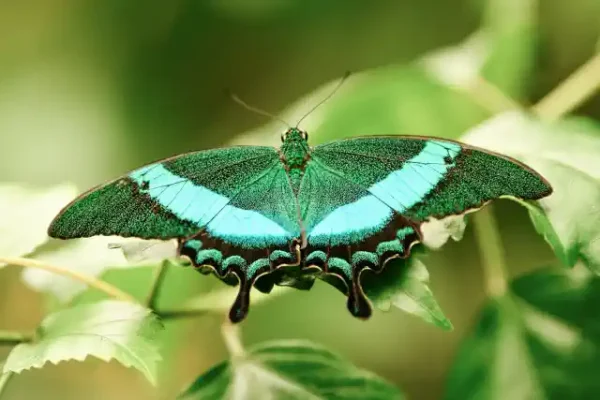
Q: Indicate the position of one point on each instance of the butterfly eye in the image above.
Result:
(283, 136)
(304, 135)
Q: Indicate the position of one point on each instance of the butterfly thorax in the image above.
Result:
(295, 153)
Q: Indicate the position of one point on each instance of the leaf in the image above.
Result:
(25, 214)
(567, 154)
(540, 342)
(91, 256)
(544, 227)
(436, 232)
(178, 286)
(145, 252)
(403, 284)
(289, 370)
(107, 330)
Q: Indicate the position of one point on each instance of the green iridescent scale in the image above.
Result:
(260, 216)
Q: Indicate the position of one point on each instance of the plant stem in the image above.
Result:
(231, 337)
(87, 279)
(179, 314)
(491, 97)
(491, 252)
(155, 287)
(572, 92)
(9, 338)
(4, 378)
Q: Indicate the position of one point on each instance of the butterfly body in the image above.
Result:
(295, 154)
(264, 216)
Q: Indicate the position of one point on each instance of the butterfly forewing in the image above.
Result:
(427, 177)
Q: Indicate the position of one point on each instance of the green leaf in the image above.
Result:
(544, 227)
(25, 214)
(106, 330)
(178, 286)
(540, 342)
(92, 256)
(567, 154)
(403, 284)
(436, 232)
(289, 370)
(145, 252)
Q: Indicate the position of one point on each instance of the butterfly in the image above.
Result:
(262, 216)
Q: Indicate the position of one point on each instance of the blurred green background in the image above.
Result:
(90, 90)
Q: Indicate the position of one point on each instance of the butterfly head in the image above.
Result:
(294, 135)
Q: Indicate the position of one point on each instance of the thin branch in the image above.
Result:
(491, 97)
(491, 252)
(231, 337)
(572, 92)
(156, 285)
(10, 338)
(87, 279)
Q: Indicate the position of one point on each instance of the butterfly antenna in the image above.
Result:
(330, 95)
(255, 110)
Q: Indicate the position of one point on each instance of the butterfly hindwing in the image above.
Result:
(232, 209)
(363, 199)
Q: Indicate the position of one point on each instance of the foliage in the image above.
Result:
(289, 370)
(404, 285)
(25, 214)
(565, 153)
(108, 329)
(541, 341)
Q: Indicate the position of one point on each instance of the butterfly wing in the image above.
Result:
(363, 199)
(348, 229)
(231, 209)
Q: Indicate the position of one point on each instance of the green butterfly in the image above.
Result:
(264, 216)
